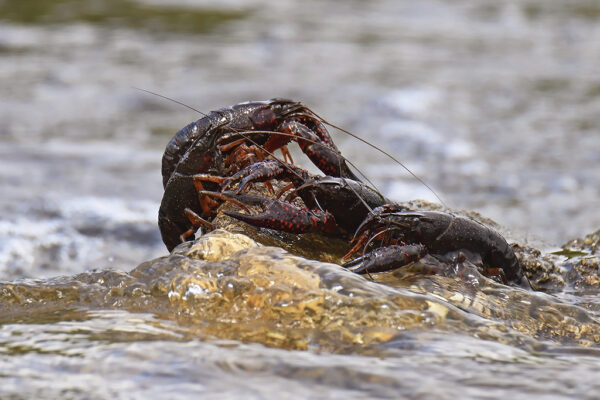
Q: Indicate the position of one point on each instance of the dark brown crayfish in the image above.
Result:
(233, 147)
(224, 142)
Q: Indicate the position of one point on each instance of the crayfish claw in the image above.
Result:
(284, 216)
(386, 259)
(261, 171)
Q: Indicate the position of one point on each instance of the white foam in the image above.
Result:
(109, 210)
(63, 238)
(411, 101)
(400, 190)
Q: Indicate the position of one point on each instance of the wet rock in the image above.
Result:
(227, 285)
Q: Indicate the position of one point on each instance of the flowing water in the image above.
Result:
(495, 105)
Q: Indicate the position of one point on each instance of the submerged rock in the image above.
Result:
(575, 267)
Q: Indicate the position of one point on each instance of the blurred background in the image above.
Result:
(494, 104)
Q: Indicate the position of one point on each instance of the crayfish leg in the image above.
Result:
(197, 221)
(224, 197)
(269, 187)
(245, 155)
(226, 147)
(287, 156)
(199, 178)
(285, 189)
(364, 240)
(499, 273)
(359, 244)
(207, 204)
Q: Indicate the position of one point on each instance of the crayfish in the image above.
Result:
(217, 157)
(224, 142)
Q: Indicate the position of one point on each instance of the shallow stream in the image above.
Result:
(494, 105)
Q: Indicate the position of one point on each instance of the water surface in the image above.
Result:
(494, 105)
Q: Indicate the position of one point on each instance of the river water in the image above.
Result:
(495, 105)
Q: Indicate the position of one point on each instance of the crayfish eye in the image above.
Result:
(277, 108)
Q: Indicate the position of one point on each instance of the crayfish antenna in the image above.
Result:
(379, 149)
(173, 100)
